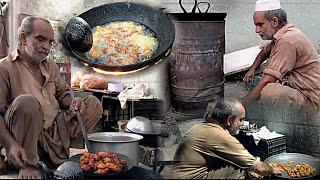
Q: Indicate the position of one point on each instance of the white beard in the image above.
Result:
(269, 35)
(234, 129)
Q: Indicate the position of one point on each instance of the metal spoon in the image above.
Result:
(67, 170)
(83, 130)
(79, 35)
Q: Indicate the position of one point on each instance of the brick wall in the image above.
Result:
(301, 128)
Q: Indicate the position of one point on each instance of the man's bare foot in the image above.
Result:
(29, 173)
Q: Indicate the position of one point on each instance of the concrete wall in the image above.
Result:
(301, 128)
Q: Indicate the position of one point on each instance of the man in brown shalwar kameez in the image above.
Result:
(209, 151)
(292, 73)
(37, 114)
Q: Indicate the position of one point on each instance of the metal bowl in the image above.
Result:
(141, 125)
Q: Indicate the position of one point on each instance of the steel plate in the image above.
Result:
(298, 158)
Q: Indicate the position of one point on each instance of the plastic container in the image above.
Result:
(267, 148)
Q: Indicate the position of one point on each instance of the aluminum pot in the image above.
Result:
(117, 142)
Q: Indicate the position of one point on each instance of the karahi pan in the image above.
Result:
(155, 20)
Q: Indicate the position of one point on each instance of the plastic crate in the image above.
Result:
(269, 147)
(148, 108)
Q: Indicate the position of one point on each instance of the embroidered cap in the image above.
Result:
(267, 5)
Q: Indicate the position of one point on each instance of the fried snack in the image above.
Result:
(275, 165)
(290, 161)
(299, 170)
(76, 78)
(101, 163)
(93, 82)
(123, 43)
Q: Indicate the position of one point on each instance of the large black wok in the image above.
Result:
(154, 19)
(283, 158)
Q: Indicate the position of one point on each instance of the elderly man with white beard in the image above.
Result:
(209, 151)
(37, 113)
(292, 72)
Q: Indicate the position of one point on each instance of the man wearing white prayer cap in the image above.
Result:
(292, 73)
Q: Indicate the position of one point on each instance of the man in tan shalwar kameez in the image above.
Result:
(37, 114)
(292, 73)
(209, 151)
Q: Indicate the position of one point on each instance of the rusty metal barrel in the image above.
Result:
(196, 61)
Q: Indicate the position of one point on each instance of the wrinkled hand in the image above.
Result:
(17, 156)
(276, 170)
(248, 77)
(77, 104)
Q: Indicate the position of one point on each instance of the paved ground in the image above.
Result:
(235, 89)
